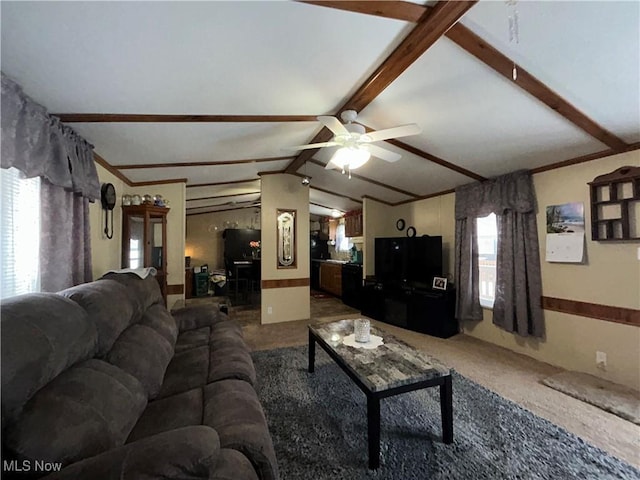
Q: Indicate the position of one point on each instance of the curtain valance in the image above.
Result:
(39, 145)
(513, 191)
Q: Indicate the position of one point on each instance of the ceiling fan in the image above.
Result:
(356, 145)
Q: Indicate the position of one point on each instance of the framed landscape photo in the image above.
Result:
(439, 283)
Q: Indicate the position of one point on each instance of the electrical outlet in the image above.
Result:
(269, 310)
(601, 360)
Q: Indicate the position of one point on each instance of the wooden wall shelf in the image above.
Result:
(615, 201)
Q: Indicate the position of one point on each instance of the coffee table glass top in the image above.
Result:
(388, 366)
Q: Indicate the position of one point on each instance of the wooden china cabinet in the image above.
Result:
(144, 240)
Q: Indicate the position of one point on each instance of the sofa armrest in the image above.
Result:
(189, 452)
(198, 316)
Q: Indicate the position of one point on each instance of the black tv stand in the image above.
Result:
(417, 308)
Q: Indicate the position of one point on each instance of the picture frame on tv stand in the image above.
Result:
(439, 283)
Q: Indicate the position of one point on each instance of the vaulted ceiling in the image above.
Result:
(212, 92)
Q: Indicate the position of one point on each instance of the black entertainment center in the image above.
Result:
(401, 292)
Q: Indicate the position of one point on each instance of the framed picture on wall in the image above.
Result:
(439, 283)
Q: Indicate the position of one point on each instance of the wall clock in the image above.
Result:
(400, 224)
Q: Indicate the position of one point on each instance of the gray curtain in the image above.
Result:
(39, 145)
(517, 307)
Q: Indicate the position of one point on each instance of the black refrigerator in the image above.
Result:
(236, 243)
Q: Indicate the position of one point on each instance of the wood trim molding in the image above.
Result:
(311, 187)
(110, 168)
(585, 158)
(152, 118)
(426, 197)
(626, 316)
(285, 283)
(159, 182)
(223, 196)
(217, 184)
(434, 159)
(201, 164)
(175, 289)
(384, 202)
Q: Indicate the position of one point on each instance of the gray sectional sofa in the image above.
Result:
(102, 381)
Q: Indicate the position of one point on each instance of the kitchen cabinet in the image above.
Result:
(331, 278)
(144, 240)
(353, 224)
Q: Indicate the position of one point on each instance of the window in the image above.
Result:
(19, 233)
(487, 250)
(342, 242)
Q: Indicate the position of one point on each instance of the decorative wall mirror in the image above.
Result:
(286, 220)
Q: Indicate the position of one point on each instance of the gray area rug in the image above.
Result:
(617, 399)
(318, 425)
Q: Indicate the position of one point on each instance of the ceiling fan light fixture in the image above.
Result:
(350, 158)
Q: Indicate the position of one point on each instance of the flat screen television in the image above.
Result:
(412, 260)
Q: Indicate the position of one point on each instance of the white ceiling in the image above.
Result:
(289, 58)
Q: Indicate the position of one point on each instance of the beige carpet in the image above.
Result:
(617, 399)
(509, 374)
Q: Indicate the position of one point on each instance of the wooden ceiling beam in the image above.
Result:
(370, 180)
(151, 118)
(434, 159)
(217, 184)
(407, 11)
(432, 25)
(200, 164)
(502, 64)
(336, 194)
(223, 196)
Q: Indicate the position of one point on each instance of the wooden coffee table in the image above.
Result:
(390, 369)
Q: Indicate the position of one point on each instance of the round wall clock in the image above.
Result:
(400, 224)
(411, 232)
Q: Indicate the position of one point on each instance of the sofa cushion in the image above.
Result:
(108, 304)
(142, 292)
(42, 334)
(189, 339)
(196, 316)
(143, 353)
(187, 370)
(84, 411)
(233, 409)
(158, 318)
(229, 358)
(180, 410)
(186, 453)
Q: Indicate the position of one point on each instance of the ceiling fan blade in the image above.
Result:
(384, 154)
(330, 166)
(333, 124)
(395, 132)
(311, 145)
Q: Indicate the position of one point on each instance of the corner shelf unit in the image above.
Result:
(615, 203)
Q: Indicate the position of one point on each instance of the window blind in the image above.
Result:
(19, 233)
